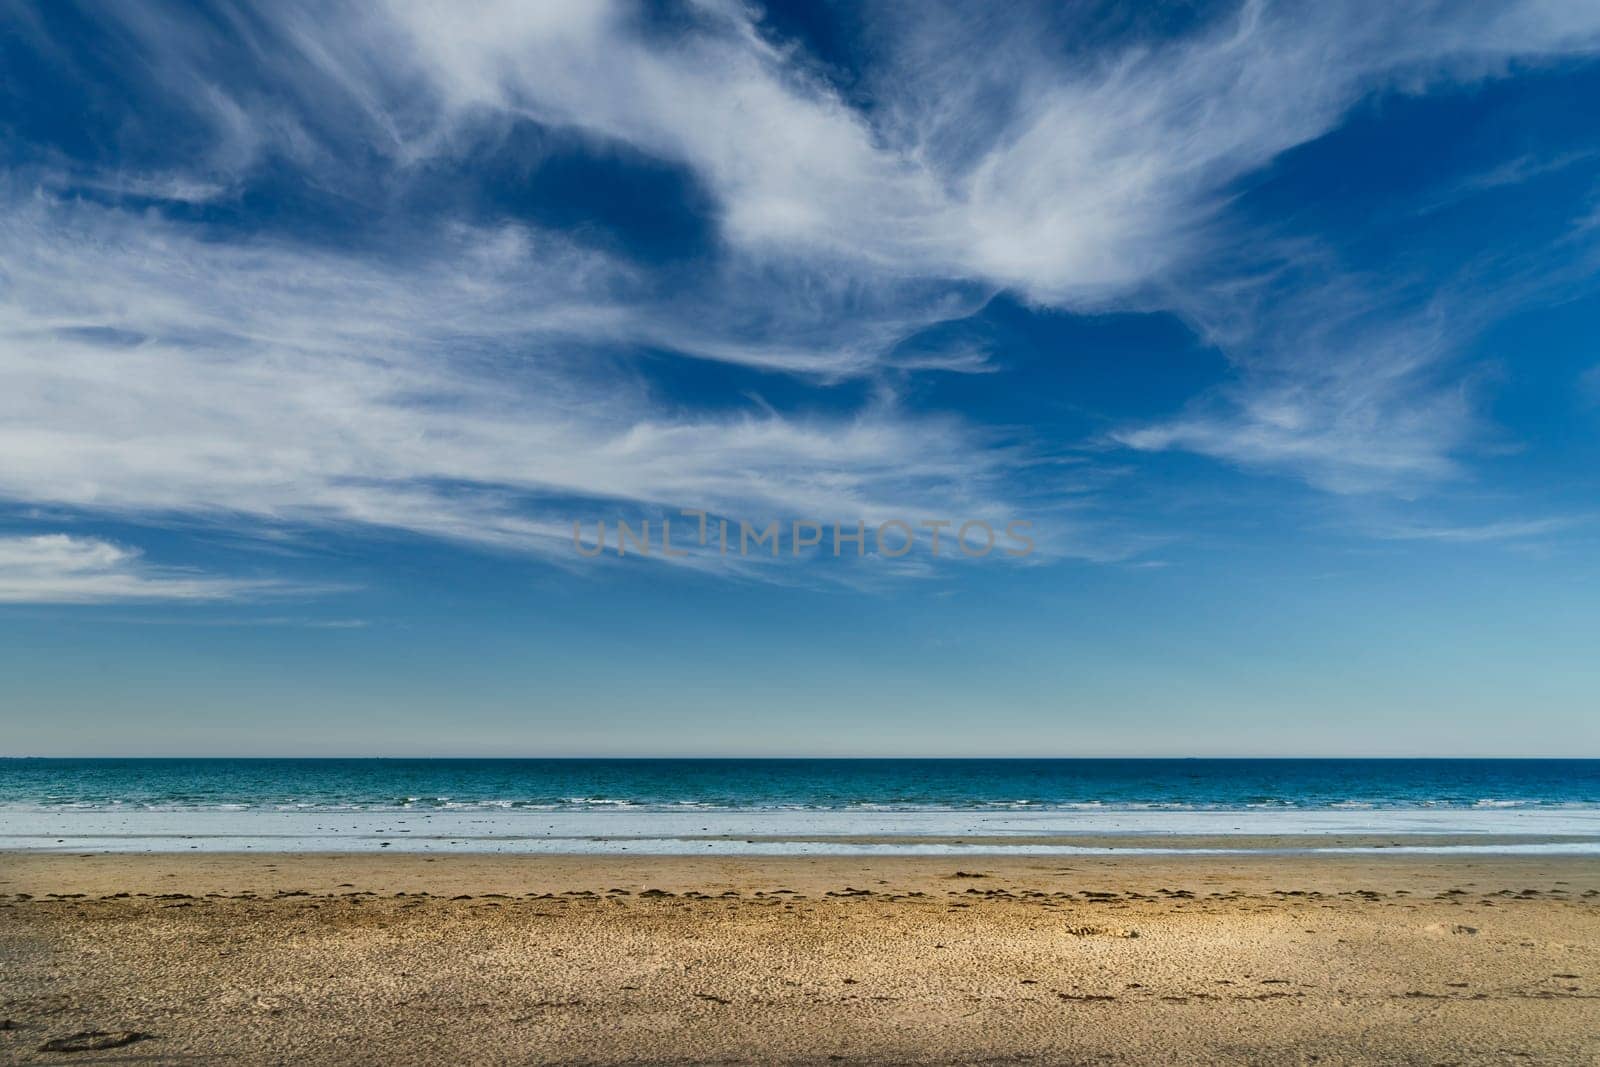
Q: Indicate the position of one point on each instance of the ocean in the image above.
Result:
(800, 805)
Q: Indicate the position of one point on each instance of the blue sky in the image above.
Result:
(320, 327)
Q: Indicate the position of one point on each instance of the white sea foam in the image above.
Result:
(619, 829)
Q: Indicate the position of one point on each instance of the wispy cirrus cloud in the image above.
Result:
(1337, 388)
(451, 397)
(1483, 533)
(1359, 382)
(474, 381)
(67, 569)
(1075, 180)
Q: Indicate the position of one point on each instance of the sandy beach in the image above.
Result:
(609, 959)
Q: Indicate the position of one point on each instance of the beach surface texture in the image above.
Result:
(410, 958)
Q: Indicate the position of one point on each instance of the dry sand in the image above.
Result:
(374, 959)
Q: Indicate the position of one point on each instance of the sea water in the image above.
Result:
(798, 806)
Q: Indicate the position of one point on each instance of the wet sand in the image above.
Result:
(407, 958)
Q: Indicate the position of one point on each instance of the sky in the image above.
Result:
(1271, 327)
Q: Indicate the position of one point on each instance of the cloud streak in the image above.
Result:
(64, 569)
(1348, 396)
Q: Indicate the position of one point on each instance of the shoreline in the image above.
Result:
(859, 847)
(755, 832)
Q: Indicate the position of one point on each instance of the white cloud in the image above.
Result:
(1081, 181)
(1072, 177)
(1358, 383)
(1481, 533)
(1331, 393)
(148, 369)
(63, 569)
(148, 372)
(1096, 177)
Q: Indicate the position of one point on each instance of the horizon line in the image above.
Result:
(804, 758)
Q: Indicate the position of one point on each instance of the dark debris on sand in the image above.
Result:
(93, 1040)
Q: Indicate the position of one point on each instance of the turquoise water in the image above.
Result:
(492, 785)
(786, 805)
